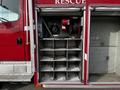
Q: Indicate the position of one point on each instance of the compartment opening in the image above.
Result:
(104, 58)
(60, 45)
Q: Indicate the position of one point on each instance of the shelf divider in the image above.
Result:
(53, 59)
(67, 59)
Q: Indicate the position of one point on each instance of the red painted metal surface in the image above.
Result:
(58, 1)
(107, 2)
(36, 79)
(27, 43)
(85, 72)
(85, 43)
(9, 33)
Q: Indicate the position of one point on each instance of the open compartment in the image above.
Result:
(104, 58)
(60, 56)
(60, 45)
(74, 66)
(60, 76)
(46, 44)
(46, 56)
(46, 76)
(60, 66)
(47, 67)
(75, 56)
(74, 44)
(74, 76)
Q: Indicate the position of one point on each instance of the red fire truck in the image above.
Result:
(61, 43)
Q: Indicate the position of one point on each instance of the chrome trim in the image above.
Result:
(32, 45)
(106, 8)
(60, 9)
(80, 86)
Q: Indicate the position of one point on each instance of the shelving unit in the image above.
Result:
(60, 59)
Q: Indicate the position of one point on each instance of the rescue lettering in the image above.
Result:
(68, 1)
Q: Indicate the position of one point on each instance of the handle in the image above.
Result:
(19, 41)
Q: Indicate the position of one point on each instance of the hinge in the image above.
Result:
(34, 27)
(26, 28)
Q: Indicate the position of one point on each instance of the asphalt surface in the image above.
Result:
(30, 86)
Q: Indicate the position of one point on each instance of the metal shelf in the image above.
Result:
(74, 49)
(63, 69)
(46, 59)
(60, 78)
(60, 60)
(74, 58)
(61, 39)
(61, 49)
(59, 71)
(62, 82)
(50, 59)
(61, 56)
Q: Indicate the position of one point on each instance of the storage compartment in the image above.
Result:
(45, 46)
(75, 44)
(46, 55)
(74, 56)
(46, 77)
(74, 66)
(60, 47)
(104, 58)
(60, 44)
(60, 66)
(60, 76)
(60, 56)
(74, 76)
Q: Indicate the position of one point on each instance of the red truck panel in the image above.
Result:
(10, 50)
(108, 2)
(58, 2)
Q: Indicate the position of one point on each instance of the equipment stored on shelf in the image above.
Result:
(61, 26)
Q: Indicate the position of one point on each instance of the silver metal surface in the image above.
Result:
(60, 9)
(16, 78)
(32, 44)
(105, 8)
(15, 71)
(61, 49)
(30, 86)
